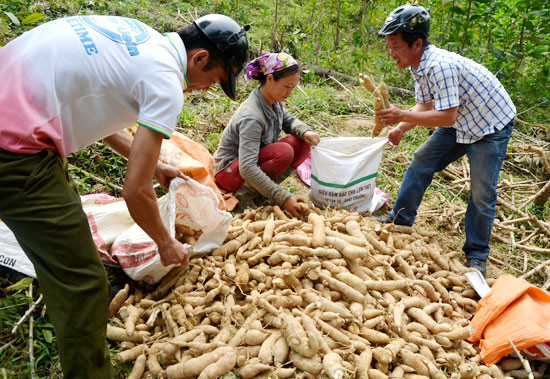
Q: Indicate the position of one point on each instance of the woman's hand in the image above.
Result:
(311, 138)
(292, 206)
(164, 173)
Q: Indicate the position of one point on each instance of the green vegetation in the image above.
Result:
(509, 37)
(14, 356)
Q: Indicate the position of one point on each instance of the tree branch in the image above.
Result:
(327, 73)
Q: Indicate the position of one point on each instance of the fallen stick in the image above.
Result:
(515, 220)
(535, 270)
(460, 181)
(465, 171)
(503, 264)
(500, 225)
(31, 336)
(96, 178)
(523, 183)
(532, 249)
(526, 239)
(6, 345)
(535, 196)
(542, 155)
(27, 313)
(449, 174)
(302, 91)
(519, 168)
(325, 73)
(354, 95)
(539, 223)
(523, 361)
(542, 126)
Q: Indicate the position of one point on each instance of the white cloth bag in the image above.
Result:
(108, 217)
(120, 241)
(343, 172)
(188, 203)
(11, 254)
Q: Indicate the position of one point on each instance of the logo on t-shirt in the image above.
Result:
(123, 30)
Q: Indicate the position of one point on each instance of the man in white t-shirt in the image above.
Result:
(69, 83)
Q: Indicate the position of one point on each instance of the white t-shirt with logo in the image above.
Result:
(73, 81)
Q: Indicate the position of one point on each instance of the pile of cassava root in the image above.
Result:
(335, 295)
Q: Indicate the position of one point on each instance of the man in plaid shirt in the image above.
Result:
(473, 114)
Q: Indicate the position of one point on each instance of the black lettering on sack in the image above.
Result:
(343, 197)
(8, 261)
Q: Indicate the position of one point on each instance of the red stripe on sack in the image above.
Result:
(135, 254)
(99, 241)
(538, 351)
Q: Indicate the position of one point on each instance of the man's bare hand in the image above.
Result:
(292, 205)
(174, 252)
(390, 116)
(164, 173)
(395, 135)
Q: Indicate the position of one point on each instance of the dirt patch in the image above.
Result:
(355, 126)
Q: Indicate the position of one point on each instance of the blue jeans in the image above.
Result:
(441, 149)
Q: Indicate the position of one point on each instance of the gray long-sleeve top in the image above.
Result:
(253, 126)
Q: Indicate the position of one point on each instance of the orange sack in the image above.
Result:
(513, 310)
(195, 161)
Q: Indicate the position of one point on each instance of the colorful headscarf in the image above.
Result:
(268, 64)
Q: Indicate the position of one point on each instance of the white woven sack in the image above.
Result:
(343, 172)
(188, 203)
(11, 254)
(108, 217)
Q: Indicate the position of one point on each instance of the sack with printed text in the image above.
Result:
(343, 172)
(11, 254)
(188, 204)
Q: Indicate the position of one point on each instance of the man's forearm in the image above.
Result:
(138, 191)
(120, 142)
(143, 207)
(431, 118)
(405, 126)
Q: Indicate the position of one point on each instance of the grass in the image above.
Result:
(14, 347)
(321, 103)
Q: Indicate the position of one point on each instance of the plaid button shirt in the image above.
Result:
(451, 80)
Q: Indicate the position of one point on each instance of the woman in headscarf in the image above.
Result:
(251, 159)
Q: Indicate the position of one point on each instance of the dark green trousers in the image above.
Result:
(41, 205)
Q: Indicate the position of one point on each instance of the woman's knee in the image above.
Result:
(292, 140)
(279, 152)
(300, 149)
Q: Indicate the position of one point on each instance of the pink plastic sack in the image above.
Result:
(304, 171)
